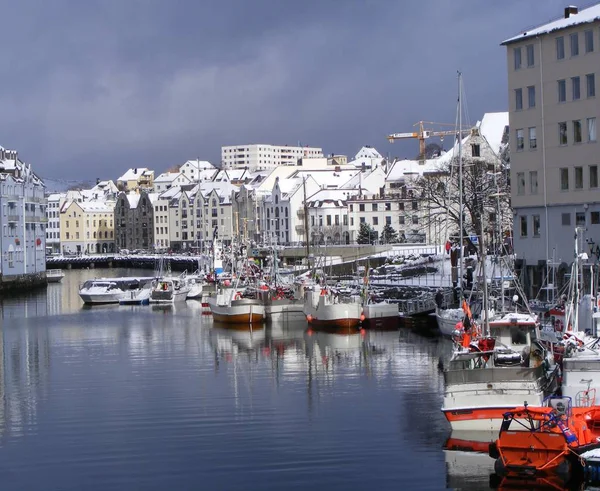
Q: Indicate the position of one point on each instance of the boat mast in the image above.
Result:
(307, 234)
(460, 184)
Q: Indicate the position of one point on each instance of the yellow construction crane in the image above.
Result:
(422, 134)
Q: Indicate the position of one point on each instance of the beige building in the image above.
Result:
(136, 179)
(553, 111)
(87, 227)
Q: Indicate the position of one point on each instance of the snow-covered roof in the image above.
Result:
(329, 178)
(134, 174)
(153, 197)
(590, 14)
(401, 169)
(200, 164)
(290, 185)
(367, 152)
(329, 198)
(167, 177)
(95, 207)
(492, 128)
(133, 199)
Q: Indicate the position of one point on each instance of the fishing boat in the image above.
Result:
(54, 275)
(228, 307)
(489, 375)
(377, 315)
(197, 283)
(283, 302)
(325, 308)
(169, 289)
(550, 442)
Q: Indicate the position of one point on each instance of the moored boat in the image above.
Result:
(549, 442)
(54, 275)
(325, 309)
(169, 289)
(382, 315)
(229, 307)
(488, 376)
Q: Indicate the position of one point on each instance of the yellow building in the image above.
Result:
(136, 179)
(87, 227)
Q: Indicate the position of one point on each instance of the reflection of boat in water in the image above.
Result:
(54, 275)
(468, 465)
(231, 338)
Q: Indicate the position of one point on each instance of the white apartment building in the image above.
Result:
(55, 201)
(262, 156)
(552, 74)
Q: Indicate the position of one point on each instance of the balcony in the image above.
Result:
(300, 213)
(300, 229)
(13, 218)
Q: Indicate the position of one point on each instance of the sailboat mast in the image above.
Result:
(460, 182)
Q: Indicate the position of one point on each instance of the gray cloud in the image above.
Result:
(92, 88)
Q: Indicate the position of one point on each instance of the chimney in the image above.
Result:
(571, 10)
(97, 180)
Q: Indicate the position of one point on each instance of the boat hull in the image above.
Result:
(447, 319)
(239, 312)
(100, 298)
(381, 316)
(284, 310)
(323, 312)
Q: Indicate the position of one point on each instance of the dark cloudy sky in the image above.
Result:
(90, 88)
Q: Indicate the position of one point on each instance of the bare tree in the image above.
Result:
(486, 197)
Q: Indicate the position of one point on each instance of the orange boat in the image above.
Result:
(546, 442)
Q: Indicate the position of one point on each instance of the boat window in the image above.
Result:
(517, 335)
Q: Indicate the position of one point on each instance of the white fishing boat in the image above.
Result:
(54, 275)
(381, 315)
(228, 307)
(324, 308)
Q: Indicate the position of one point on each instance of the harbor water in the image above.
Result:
(159, 397)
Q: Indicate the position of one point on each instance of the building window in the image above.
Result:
(518, 99)
(475, 150)
(520, 140)
(595, 217)
(574, 44)
(375, 221)
(532, 138)
(536, 225)
(593, 176)
(564, 179)
(531, 96)
(336, 221)
(523, 226)
(400, 221)
(576, 86)
(388, 220)
(517, 58)
(374, 206)
(401, 206)
(580, 219)
(562, 91)
(361, 207)
(415, 205)
(533, 182)
(560, 48)
(328, 219)
(566, 219)
(388, 207)
(530, 55)
(591, 129)
(577, 131)
(589, 41)
(415, 220)
(578, 177)
(520, 183)
(590, 82)
(351, 220)
(362, 219)
(562, 134)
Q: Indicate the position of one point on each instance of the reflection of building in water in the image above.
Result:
(25, 368)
